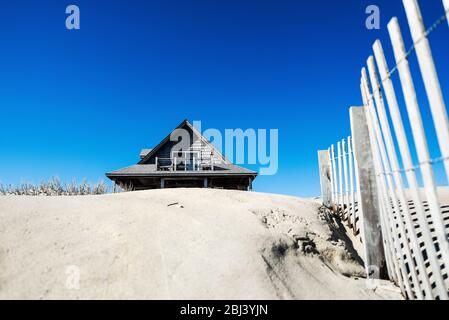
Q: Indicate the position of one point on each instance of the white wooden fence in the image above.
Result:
(374, 182)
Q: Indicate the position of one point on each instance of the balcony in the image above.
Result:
(185, 161)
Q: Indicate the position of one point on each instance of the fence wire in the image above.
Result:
(438, 22)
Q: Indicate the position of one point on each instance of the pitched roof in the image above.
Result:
(195, 131)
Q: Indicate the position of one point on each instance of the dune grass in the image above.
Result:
(54, 187)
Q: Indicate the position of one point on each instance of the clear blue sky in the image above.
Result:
(80, 103)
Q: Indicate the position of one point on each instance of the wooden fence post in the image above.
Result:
(351, 209)
(325, 177)
(340, 179)
(334, 180)
(369, 204)
(387, 213)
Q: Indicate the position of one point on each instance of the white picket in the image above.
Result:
(446, 8)
(430, 77)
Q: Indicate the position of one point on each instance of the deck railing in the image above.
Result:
(182, 164)
(371, 180)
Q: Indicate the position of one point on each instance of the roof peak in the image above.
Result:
(195, 131)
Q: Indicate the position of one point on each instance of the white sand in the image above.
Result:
(213, 245)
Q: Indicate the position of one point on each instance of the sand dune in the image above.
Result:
(177, 244)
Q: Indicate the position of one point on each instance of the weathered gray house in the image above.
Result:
(199, 166)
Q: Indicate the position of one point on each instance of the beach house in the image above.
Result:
(183, 159)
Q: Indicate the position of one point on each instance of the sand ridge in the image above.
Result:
(177, 244)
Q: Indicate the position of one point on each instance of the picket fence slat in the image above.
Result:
(430, 77)
(446, 8)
